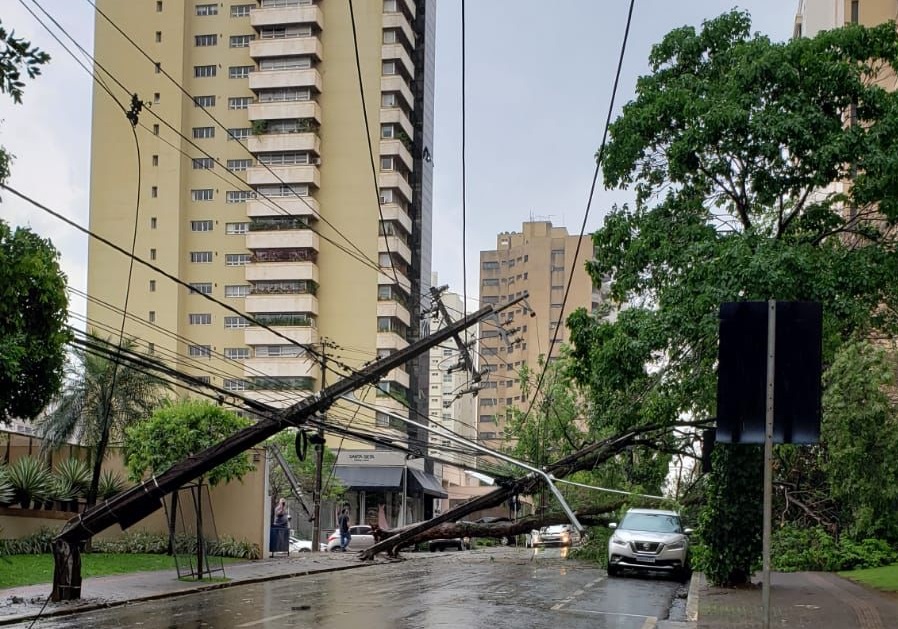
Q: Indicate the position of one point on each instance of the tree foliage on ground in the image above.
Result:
(98, 402)
(731, 144)
(304, 470)
(33, 301)
(178, 430)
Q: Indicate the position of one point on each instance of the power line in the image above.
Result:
(464, 178)
(599, 157)
(358, 65)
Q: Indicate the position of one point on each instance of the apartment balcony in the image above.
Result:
(390, 340)
(393, 212)
(272, 79)
(288, 47)
(282, 239)
(395, 115)
(285, 110)
(398, 52)
(393, 309)
(278, 16)
(305, 206)
(284, 142)
(398, 20)
(303, 302)
(261, 336)
(397, 148)
(395, 180)
(398, 376)
(261, 271)
(395, 246)
(386, 277)
(303, 173)
(288, 366)
(390, 83)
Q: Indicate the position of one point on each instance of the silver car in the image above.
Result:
(649, 539)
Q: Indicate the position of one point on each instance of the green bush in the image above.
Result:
(238, 549)
(143, 542)
(30, 479)
(37, 543)
(74, 473)
(794, 549)
(595, 548)
(7, 491)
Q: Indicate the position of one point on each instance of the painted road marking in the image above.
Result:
(264, 620)
(580, 592)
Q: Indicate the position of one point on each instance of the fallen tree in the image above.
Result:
(586, 458)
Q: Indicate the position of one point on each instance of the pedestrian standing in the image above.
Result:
(343, 523)
(280, 514)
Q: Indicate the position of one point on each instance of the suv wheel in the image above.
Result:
(613, 570)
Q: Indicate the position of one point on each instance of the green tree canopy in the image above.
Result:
(732, 144)
(177, 430)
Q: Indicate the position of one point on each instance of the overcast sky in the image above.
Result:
(539, 77)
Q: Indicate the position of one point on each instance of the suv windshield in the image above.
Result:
(651, 522)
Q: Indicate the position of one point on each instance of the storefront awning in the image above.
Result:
(369, 477)
(428, 483)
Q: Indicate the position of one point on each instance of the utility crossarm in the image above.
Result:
(136, 503)
(462, 347)
(547, 478)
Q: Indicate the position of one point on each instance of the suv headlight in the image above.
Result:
(675, 545)
(618, 541)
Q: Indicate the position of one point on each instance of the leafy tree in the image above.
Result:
(860, 429)
(33, 302)
(175, 432)
(304, 470)
(99, 401)
(730, 144)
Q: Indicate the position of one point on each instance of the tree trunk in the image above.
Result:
(200, 543)
(66, 571)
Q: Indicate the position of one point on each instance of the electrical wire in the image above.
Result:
(464, 178)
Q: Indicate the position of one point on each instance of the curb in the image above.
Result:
(88, 607)
(692, 598)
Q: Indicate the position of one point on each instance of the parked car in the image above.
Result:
(304, 546)
(362, 538)
(650, 539)
(555, 535)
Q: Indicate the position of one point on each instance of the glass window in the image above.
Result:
(239, 164)
(203, 194)
(236, 259)
(236, 290)
(203, 288)
(204, 318)
(387, 131)
(239, 72)
(201, 257)
(207, 9)
(200, 133)
(240, 41)
(286, 63)
(236, 228)
(241, 10)
(389, 68)
(204, 101)
(201, 351)
(204, 71)
(238, 196)
(203, 163)
(235, 322)
(236, 353)
(240, 102)
(241, 133)
(205, 40)
(200, 226)
(389, 99)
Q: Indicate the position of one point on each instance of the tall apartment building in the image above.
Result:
(537, 260)
(814, 16)
(257, 215)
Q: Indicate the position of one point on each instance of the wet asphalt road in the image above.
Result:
(481, 589)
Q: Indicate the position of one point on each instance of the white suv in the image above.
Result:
(649, 539)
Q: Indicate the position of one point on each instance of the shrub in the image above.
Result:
(110, 484)
(796, 549)
(7, 491)
(76, 473)
(38, 543)
(157, 543)
(238, 549)
(595, 548)
(30, 479)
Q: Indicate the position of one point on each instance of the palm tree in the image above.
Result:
(99, 400)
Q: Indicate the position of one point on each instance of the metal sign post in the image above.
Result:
(768, 461)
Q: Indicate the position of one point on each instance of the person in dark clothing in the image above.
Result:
(281, 519)
(343, 524)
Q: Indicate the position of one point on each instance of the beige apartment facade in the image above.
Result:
(537, 261)
(256, 187)
(813, 16)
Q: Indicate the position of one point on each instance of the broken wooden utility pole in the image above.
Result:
(136, 503)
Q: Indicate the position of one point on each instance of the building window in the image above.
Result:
(490, 265)
(202, 194)
(386, 163)
(152, 254)
(204, 379)
(285, 94)
(236, 353)
(156, 129)
(391, 36)
(201, 257)
(240, 102)
(204, 101)
(241, 10)
(238, 196)
(204, 72)
(240, 41)
(201, 226)
(283, 190)
(387, 131)
(153, 222)
(389, 99)
(151, 316)
(231, 323)
(156, 98)
(303, 62)
(283, 159)
(236, 259)
(158, 37)
(199, 351)
(205, 40)
(239, 164)
(239, 72)
(279, 351)
(202, 288)
(286, 32)
(236, 228)
(233, 384)
(207, 9)
(154, 191)
(239, 133)
(158, 6)
(158, 67)
(203, 163)
(152, 286)
(388, 68)
(237, 290)
(390, 6)
(203, 318)
(200, 133)
(155, 160)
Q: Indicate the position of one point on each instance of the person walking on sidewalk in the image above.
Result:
(343, 524)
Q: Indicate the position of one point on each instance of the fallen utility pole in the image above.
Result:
(136, 503)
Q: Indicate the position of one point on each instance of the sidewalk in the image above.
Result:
(24, 603)
(799, 599)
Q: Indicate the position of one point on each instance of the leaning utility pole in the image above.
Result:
(319, 465)
(136, 503)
